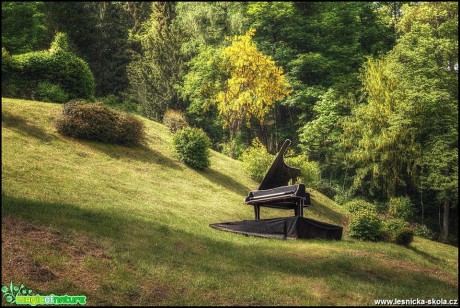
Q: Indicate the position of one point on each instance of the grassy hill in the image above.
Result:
(130, 226)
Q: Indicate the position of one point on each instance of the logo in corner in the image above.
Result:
(13, 291)
(22, 296)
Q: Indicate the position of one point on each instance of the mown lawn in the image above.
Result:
(130, 226)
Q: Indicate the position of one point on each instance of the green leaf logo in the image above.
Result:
(10, 293)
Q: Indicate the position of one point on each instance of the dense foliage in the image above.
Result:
(310, 173)
(158, 67)
(367, 91)
(393, 226)
(24, 26)
(25, 74)
(98, 33)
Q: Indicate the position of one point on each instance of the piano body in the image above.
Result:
(274, 190)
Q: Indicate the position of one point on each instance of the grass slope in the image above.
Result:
(130, 226)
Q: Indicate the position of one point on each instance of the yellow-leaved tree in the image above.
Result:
(253, 86)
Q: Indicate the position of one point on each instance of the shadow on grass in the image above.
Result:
(20, 125)
(211, 258)
(327, 212)
(425, 255)
(225, 181)
(139, 153)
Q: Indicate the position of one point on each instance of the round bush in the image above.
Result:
(174, 120)
(366, 225)
(256, 160)
(404, 236)
(357, 205)
(392, 226)
(99, 123)
(192, 147)
(328, 189)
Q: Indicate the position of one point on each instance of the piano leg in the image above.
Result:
(298, 211)
(257, 211)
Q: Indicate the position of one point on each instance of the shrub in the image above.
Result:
(366, 225)
(174, 120)
(192, 147)
(423, 231)
(50, 92)
(310, 173)
(130, 130)
(392, 226)
(99, 123)
(404, 236)
(357, 205)
(256, 160)
(401, 207)
(56, 66)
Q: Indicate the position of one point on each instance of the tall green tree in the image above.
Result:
(24, 27)
(405, 132)
(426, 58)
(379, 137)
(320, 137)
(110, 62)
(158, 69)
(98, 33)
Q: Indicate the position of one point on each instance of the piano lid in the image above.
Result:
(279, 173)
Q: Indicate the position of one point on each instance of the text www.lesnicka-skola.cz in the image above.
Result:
(416, 301)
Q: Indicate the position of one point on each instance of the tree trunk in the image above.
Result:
(445, 223)
(232, 150)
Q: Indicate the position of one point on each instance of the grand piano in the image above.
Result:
(278, 188)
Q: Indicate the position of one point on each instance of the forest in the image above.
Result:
(366, 91)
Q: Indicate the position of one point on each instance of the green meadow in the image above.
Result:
(130, 226)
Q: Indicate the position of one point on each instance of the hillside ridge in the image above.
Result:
(131, 226)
